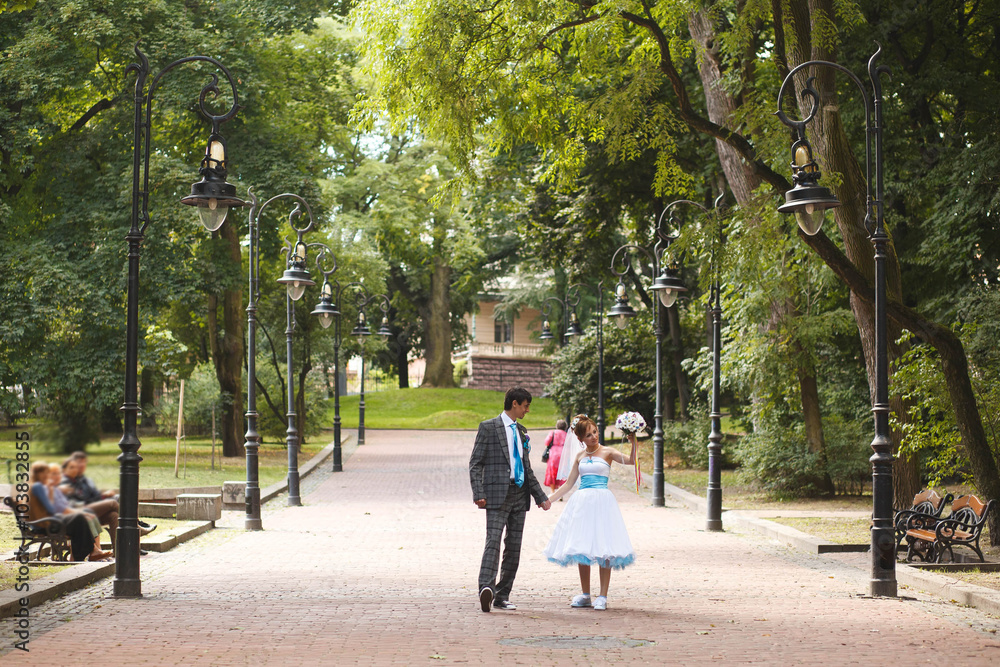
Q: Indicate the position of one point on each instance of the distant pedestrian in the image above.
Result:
(554, 446)
(502, 480)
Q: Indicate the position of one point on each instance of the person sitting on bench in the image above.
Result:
(81, 491)
(82, 528)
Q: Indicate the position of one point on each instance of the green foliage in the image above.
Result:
(66, 176)
(629, 371)
(930, 433)
(201, 396)
(778, 461)
(688, 439)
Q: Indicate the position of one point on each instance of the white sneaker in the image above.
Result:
(601, 603)
(581, 600)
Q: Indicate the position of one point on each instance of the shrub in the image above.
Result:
(778, 461)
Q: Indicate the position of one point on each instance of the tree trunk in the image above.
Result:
(403, 364)
(838, 156)
(677, 358)
(300, 396)
(742, 181)
(720, 104)
(437, 329)
(147, 388)
(812, 417)
(227, 351)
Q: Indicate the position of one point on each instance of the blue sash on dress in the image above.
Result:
(593, 482)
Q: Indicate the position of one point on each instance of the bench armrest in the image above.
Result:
(910, 519)
(51, 524)
(946, 528)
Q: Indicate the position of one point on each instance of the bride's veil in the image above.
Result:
(571, 448)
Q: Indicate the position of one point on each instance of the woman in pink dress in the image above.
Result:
(555, 439)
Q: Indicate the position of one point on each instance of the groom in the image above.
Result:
(501, 481)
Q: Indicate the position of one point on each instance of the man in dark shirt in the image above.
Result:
(82, 491)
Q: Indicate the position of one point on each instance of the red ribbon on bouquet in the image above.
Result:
(638, 473)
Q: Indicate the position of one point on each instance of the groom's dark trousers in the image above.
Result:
(506, 503)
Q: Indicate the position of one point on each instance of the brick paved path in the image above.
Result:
(380, 567)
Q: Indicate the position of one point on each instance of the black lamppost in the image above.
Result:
(667, 286)
(361, 331)
(252, 437)
(328, 312)
(214, 197)
(714, 491)
(809, 201)
(295, 279)
(574, 329)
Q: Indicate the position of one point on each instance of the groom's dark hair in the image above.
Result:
(519, 394)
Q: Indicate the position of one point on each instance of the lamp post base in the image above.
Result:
(658, 496)
(885, 588)
(294, 500)
(127, 588)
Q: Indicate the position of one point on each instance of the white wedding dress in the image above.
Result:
(591, 530)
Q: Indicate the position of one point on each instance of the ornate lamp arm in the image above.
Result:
(873, 131)
(143, 128)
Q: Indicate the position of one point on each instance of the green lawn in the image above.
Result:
(425, 408)
(736, 495)
(157, 468)
(8, 573)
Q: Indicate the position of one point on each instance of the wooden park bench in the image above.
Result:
(49, 531)
(962, 528)
(926, 512)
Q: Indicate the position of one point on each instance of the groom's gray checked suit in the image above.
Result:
(506, 503)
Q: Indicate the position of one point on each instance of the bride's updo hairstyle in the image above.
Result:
(580, 425)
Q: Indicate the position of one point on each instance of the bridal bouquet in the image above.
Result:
(632, 422)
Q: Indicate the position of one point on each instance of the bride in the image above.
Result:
(591, 530)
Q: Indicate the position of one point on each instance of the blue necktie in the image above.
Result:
(518, 466)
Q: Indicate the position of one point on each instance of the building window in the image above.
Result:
(501, 331)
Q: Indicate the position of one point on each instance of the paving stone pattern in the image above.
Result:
(379, 568)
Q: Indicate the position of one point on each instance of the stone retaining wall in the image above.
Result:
(500, 374)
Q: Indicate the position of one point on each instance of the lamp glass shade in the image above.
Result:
(384, 331)
(296, 290)
(810, 219)
(621, 311)
(325, 320)
(668, 296)
(213, 215)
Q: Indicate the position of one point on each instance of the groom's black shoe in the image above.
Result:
(504, 604)
(486, 598)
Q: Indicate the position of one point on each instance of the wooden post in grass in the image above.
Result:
(213, 438)
(180, 425)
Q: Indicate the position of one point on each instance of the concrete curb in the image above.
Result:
(943, 586)
(949, 588)
(76, 576)
(168, 541)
